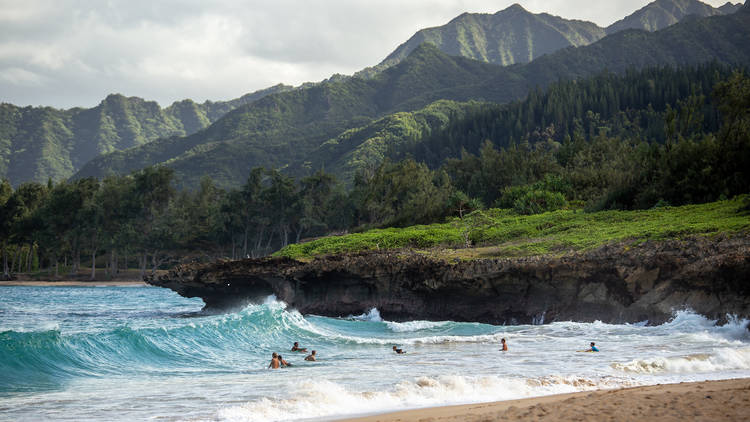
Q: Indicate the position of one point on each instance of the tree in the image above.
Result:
(316, 202)
(153, 191)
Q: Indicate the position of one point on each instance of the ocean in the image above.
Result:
(145, 353)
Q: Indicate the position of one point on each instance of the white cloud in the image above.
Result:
(21, 77)
(74, 52)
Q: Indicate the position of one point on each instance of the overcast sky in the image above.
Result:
(66, 53)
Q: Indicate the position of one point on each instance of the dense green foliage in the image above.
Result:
(365, 148)
(286, 130)
(629, 107)
(615, 164)
(40, 143)
(505, 233)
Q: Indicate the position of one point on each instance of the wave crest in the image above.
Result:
(724, 359)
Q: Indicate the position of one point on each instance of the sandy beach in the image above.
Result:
(700, 401)
(68, 283)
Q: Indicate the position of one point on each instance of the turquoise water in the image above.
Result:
(135, 353)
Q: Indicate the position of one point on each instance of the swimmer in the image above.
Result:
(311, 356)
(398, 351)
(275, 364)
(283, 363)
(505, 345)
(296, 348)
(593, 348)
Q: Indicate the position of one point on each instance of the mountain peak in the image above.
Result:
(660, 14)
(515, 7)
(512, 35)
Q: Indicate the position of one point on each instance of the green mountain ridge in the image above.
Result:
(663, 13)
(283, 130)
(293, 130)
(516, 36)
(512, 35)
(41, 143)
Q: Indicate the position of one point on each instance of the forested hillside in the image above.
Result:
(40, 143)
(515, 35)
(287, 130)
(669, 137)
(283, 130)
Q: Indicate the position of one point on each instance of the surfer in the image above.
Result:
(505, 345)
(398, 351)
(296, 348)
(311, 356)
(275, 364)
(283, 363)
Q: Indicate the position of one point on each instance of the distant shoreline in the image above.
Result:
(726, 400)
(73, 283)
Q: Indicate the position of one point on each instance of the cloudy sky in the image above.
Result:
(66, 53)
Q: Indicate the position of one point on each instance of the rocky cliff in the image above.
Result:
(615, 283)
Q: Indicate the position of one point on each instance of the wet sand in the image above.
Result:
(116, 283)
(713, 401)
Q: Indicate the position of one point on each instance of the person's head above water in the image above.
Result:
(274, 355)
(313, 353)
(502, 340)
(296, 343)
(592, 344)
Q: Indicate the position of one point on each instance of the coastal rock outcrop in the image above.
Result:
(617, 283)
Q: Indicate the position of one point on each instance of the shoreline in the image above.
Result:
(74, 283)
(725, 400)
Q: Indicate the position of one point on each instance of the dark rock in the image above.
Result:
(614, 283)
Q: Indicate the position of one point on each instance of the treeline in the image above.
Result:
(141, 217)
(629, 106)
(698, 150)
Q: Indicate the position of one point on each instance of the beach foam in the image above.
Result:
(325, 398)
(724, 359)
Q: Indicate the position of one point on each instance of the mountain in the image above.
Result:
(38, 143)
(515, 35)
(291, 130)
(663, 13)
(729, 8)
(509, 36)
(285, 129)
(366, 147)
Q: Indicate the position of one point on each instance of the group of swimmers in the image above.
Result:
(277, 361)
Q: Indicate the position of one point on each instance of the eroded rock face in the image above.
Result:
(615, 283)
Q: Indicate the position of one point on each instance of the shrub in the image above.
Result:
(539, 201)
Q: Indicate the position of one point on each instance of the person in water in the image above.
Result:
(275, 364)
(283, 363)
(296, 348)
(593, 348)
(398, 351)
(505, 345)
(311, 356)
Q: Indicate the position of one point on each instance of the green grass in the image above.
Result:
(508, 234)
